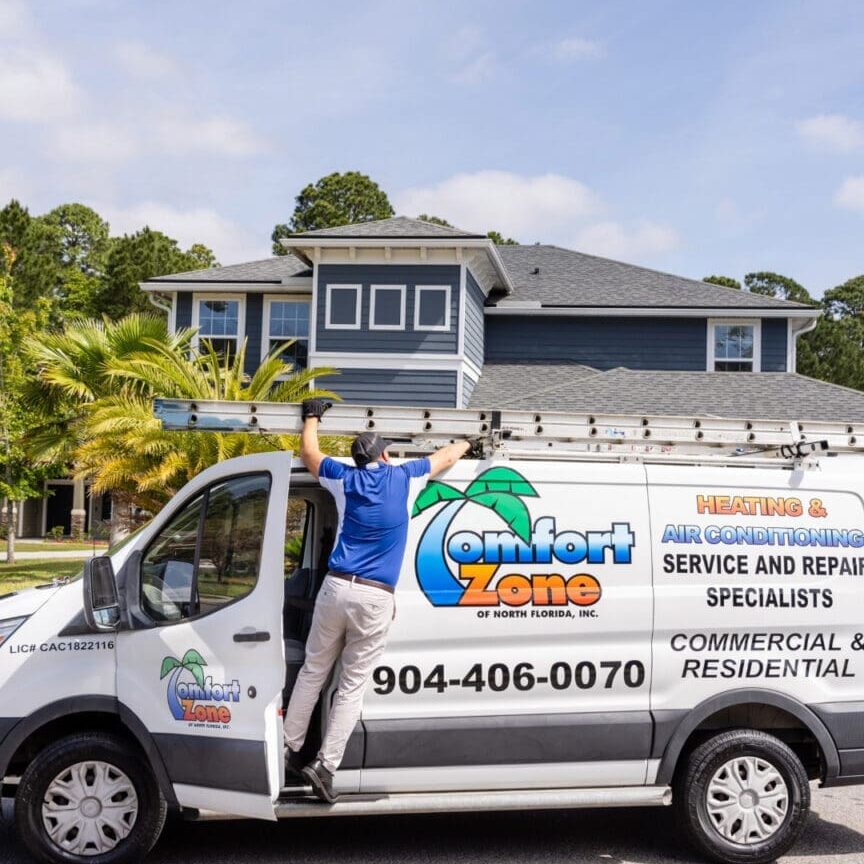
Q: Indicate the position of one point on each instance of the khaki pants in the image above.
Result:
(350, 623)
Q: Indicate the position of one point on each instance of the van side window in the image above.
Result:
(209, 554)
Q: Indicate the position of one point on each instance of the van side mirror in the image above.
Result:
(101, 602)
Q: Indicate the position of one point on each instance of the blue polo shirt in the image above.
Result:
(374, 505)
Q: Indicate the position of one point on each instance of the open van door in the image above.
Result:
(202, 665)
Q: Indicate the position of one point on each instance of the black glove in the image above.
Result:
(315, 408)
(475, 451)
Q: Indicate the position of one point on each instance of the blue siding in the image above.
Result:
(604, 343)
(433, 388)
(775, 335)
(474, 327)
(468, 385)
(183, 318)
(254, 320)
(388, 341)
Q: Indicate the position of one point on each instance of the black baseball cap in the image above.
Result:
(368, 447)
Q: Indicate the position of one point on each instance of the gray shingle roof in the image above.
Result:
(766, 395)
(395, 228)
(268, 270)
(500, 382)
(568, 278)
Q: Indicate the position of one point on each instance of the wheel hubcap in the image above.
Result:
(747, 800)
(89, 808)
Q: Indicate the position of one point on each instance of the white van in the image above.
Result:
(568, 634)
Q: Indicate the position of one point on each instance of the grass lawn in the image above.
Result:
(52, 546)
(26, 574)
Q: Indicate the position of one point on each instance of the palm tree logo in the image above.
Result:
(193, 663)
(499, 489)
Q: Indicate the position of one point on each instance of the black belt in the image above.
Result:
(372, 583)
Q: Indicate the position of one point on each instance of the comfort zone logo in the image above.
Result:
(192, 695)
(469, 568)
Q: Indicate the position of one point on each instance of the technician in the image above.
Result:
(355, 605)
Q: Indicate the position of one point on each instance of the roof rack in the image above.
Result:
(537, 434)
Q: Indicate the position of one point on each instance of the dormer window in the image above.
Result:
(387, 307)
(734, 345)
(343, 307)
(432, 307)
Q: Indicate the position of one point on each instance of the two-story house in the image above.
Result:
(416, 313)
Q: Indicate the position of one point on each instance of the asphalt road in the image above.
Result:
(835, 834)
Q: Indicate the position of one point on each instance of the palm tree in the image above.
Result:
(124, 446)
(73, 371)
(192, 662)
(94, 393)
(499, 489)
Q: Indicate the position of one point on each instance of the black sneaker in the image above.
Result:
(321, 780)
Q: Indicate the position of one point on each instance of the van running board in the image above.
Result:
(301, 806)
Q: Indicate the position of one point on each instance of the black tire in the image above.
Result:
(692, 806)
(62, 755)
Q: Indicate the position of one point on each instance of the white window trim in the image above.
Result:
(755, 323)
(241, 317)
(357, 307)
(403, 292)
(269, 299)
(418, 290)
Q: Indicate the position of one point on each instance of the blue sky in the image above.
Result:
(692, 137)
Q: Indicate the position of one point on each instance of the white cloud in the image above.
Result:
(227, 239)
(180, 135)
(851, 193)
(100, 142)
(614, 240)
(548, 208)
(835, 132)
(142, 61)
(576, 48)
(35, 86)
(14, 19)
(528, 208)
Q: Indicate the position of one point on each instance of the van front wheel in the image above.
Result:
(89, 799)
(743, 797)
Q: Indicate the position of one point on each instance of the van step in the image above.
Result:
(293, 806)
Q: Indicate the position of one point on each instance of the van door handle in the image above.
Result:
(252, 636)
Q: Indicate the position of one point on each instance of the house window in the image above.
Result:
(432, 307)
(219, 320)
(734, 346)
(387, 307)
(286, 319)
(343, 307)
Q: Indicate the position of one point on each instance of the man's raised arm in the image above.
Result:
(310, 452)
(443, 458)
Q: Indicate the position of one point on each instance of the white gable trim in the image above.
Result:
(301, 284)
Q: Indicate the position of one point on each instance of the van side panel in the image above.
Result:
(522, 635)
(759, 586)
